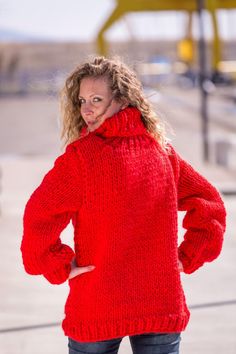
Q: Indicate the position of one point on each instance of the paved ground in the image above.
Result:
(28, 147)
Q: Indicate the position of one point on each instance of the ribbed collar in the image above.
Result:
(126, 122)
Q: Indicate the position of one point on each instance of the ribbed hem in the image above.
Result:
(99, 330)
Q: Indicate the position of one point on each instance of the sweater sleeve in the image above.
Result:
(204, 220)
(47, 212)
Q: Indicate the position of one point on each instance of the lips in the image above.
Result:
(88, 113)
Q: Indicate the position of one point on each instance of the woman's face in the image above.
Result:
(96, 101)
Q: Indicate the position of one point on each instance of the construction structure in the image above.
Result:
(186, 45)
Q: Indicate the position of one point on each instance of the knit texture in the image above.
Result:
(122, 192)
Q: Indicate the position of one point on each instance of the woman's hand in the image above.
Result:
(180, 266)
(78, 270)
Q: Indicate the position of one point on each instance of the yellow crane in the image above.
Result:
(186, 46)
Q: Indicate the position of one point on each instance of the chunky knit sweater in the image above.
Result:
(122, 192)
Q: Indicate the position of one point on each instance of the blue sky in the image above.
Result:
(81, 19)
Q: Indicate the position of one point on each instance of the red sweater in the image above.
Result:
(122, 193)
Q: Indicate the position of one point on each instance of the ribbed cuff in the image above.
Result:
(57, 263)
(190, 264)
(54, 263)
(59, 275)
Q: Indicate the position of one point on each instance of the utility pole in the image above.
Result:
(203, 81)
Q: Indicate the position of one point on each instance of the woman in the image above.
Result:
(121, 183)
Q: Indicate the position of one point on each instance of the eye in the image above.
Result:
(97, 99)
(81, 101)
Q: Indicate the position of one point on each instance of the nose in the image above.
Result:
(86, 107)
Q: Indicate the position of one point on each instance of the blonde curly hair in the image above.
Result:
(123, 83)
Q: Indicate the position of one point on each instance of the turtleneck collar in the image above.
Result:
(126, 122)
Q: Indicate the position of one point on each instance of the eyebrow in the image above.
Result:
(94, 94)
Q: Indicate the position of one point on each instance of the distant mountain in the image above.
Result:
(7, 35)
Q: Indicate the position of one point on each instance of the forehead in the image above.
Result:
(91, 85)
